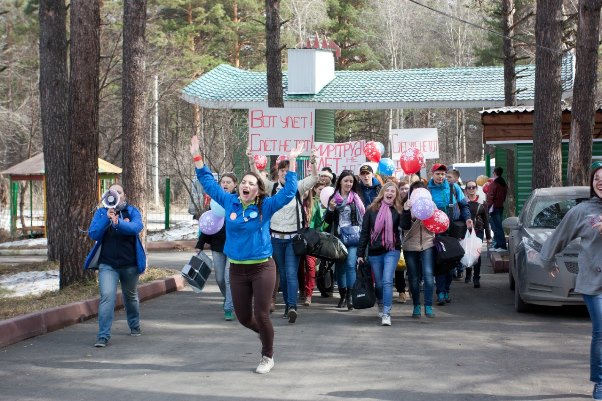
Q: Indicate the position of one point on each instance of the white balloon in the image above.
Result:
(420, 193)
(325, 195)
(217, 209)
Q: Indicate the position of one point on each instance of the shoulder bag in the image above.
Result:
(457, 228)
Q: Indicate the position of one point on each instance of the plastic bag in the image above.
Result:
(472, 246)
(401, 263)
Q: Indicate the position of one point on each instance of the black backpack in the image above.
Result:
(448, 253)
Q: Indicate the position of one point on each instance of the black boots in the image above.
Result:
(350, 300)
(468, 278)
(343, 300)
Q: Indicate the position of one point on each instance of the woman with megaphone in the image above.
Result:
(119, 256)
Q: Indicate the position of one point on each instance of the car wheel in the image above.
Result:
(519, 305)
(511, 282)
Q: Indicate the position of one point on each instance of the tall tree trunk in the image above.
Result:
(53, 112)
(236, 49)
(509, 53)
(547, 135)
(584, 92)
(83, 138)
(273, 59)
(134, 104)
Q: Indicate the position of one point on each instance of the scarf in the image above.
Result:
(351, 198)
(384, 225)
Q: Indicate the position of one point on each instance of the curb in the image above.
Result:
(34, 324)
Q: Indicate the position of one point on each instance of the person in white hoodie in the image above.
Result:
(283, 227)
(584, 221)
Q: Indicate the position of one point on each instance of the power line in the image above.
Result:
(483, 28)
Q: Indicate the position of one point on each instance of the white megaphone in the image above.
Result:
(110, 199)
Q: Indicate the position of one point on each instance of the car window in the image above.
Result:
(547, 213)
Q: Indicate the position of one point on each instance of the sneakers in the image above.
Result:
(265, 365)
(441, 299)
(292, 314)
(307, 301)
(228, 316)
(428, 311)
(447, 298)
(416, 311)
(101, 343)
(136, 332)
(597, 393)
(380, 310)
(402, 298)
(386, 320)
(285, 314)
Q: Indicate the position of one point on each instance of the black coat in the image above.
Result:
(376, 247)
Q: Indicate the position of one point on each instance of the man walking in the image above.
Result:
(496, 196)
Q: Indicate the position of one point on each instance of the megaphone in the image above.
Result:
(110, 199)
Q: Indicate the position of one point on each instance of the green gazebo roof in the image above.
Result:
(226, 87)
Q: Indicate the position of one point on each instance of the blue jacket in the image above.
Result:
(100, 223)
(247, 236)
(442, 196)
(368, 194)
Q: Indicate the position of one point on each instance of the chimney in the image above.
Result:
(311, 67)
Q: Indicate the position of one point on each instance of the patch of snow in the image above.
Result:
(30, 283)
(183, 230)
(26, 243)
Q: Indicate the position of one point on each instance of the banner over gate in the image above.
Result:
(425, 139)
(275, 131)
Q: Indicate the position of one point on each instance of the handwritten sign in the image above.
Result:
(275, 131)
(425, 139)
(341, 156)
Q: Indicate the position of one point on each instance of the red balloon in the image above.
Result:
(486, 185)
(372, 152)
(438, 223)
(411, 160)
(260, 161)
(281, 158)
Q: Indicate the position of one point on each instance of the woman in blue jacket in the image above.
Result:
(248, 245)
(119, 256)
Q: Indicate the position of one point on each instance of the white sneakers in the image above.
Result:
(386, 320)
(265, 365)
(380, 310)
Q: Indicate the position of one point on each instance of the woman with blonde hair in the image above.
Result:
(381, 236)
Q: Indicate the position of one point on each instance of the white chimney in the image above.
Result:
(312, 68)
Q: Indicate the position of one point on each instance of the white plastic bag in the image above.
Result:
(472, 248)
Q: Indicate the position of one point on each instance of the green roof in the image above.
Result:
(227, 87)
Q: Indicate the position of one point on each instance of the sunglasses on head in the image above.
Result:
(471, 187)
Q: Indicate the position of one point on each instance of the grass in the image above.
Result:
(11, 307)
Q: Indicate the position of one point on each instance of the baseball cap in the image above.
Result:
(366, 169)
(439, 167)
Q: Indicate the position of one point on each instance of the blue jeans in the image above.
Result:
(345, 270)
(107, 282)
(383, 267)
(421, 263)
(443, 282)
(221, 268)
(495, 220)
(288, 266)
(594, 307)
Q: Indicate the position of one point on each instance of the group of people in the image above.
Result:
(370, 214)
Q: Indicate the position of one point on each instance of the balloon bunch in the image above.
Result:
(423, 208)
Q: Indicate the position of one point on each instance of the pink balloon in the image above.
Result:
(281, 158)
(325, 195)
(210, 223)
(420, 193)
(438, 223)
(260, 161)
(411, 160)
(423, 208)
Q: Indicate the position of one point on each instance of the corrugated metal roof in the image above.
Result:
(35, 166)
(468, 87)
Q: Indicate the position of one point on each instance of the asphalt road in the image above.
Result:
(477, 348)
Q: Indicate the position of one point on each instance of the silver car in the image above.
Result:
(540, 216)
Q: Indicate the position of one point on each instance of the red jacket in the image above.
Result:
(496, 195)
